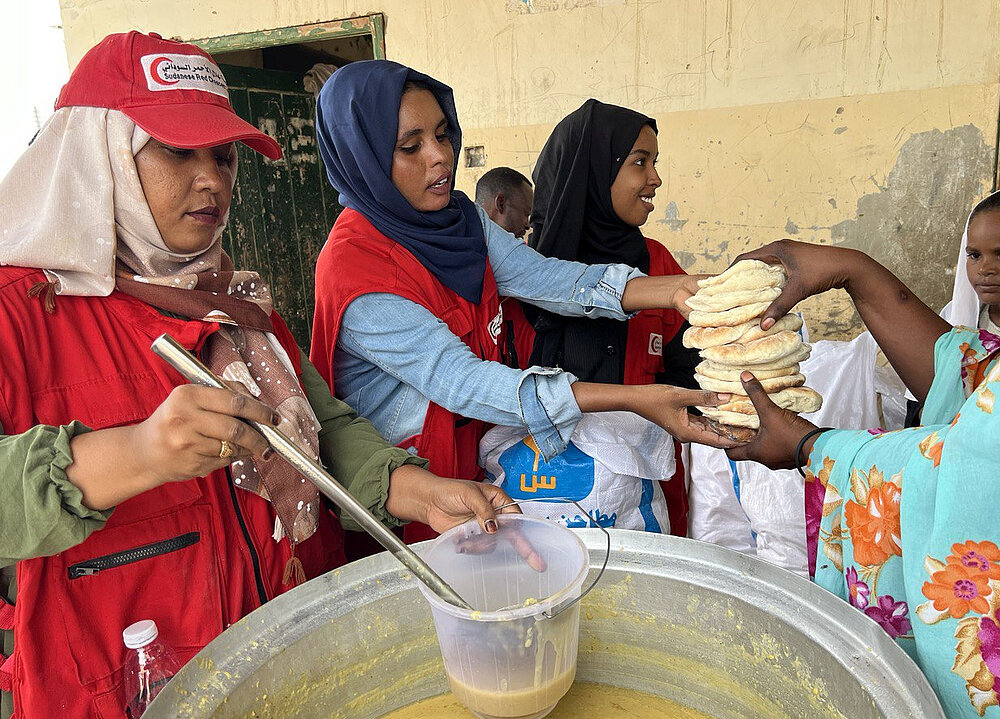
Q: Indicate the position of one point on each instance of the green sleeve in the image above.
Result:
(42, 512)
(8, 590)
(352, 450)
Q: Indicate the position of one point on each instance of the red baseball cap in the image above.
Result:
(172, 90)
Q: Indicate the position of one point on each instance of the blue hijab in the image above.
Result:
(356, 123)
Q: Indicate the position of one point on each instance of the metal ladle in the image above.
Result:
(195, 372)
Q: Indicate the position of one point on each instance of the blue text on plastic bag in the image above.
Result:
(570, 475)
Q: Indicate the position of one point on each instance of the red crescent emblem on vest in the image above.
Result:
(154, 70)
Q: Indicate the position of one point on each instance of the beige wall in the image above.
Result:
(871, 124)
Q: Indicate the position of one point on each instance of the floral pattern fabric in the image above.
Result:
(905, 525)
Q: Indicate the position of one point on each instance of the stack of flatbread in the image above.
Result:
(725, 326)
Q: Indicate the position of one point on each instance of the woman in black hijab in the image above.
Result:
(594, 185)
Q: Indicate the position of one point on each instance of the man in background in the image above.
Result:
(506, 195)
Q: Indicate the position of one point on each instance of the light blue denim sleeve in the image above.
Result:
(565, 288)
(416, 348)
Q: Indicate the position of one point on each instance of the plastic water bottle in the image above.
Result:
(149, 666)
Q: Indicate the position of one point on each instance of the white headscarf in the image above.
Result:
(74, 193)
(964, 308)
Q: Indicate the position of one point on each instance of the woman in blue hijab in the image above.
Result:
(408, 284)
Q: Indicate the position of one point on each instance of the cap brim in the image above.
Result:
(195, 125)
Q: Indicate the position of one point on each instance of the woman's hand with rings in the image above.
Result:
(197, 430)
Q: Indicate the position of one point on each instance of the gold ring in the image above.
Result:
(226, 451)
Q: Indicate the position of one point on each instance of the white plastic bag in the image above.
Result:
(612, 467)
(737, 503)
(715, 514)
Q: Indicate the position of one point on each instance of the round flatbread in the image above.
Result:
(744, 275)
(737, 434)
(729, 318)
(798, 356)
(796, 399)
(705, 337)
(732, 374)
(788, 323)
(762, 351)
(729, 300)
(731, 419)
(770, 385)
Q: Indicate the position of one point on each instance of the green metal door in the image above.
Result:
(282, 209)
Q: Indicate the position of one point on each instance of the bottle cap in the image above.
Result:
(140, 634)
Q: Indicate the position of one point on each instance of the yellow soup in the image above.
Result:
(582, 700)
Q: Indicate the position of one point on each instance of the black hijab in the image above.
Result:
(573, 219)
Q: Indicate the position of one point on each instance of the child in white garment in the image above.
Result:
(975, 301)
(982, 260)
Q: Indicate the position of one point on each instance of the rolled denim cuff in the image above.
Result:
(548, 408)
(606, 293)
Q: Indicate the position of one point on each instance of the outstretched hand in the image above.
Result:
(454, 501)
(667, 406)
(779, 434)
(687, 286)
(441, 503)
(812, 270)
(660, 292)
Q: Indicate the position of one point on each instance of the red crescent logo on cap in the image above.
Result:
(154, 70)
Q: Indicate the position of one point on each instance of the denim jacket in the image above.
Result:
(393, 356)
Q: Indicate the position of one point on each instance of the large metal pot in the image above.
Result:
(712, 629)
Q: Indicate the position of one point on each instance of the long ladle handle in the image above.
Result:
(195, 372)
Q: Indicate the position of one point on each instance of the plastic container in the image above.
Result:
(515, 654)
(148, 667)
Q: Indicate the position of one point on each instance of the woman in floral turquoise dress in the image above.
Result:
(904, 525)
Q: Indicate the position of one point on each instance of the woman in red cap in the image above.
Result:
(129, 494)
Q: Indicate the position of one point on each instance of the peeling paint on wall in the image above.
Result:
(684, 258)
(671, 219)
(913, 225)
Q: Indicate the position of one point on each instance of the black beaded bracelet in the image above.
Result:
(802, 443)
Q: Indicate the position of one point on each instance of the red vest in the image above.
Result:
(648, 334)
(214, 558)
(518, 336)
(650, 330)
(358, 259)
